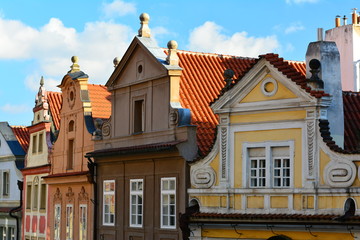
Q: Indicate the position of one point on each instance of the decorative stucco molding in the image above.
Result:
(70, 194)
(310, 141)
(340, 173)
(57, 195)
(203, 177)
(83, 196)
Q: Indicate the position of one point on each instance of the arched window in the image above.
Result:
(71, 126)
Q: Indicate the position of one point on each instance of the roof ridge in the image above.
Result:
(211, 54)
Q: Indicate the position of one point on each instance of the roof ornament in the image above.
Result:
(172, 58)
(116, 61)
(315, 82)
(144, 30)
(40, 97)
(228, 77)
(75, 66)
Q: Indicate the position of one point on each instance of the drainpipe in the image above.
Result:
(12, 211)
(92, 170)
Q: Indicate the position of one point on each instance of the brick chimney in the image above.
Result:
(329, 72)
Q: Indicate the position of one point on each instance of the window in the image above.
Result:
(136, 202)
(83, 221)
(6, 183)
(139, 116)
(35, 193)
(70, 160)
(57, 220)
(168, 203)
(109, 203)
(269, 165)
(43, 196)
(28, 196)
(2, 233)
(71, 126)
(34, 144)
(69, 221)
(11, 233)
(40, 147)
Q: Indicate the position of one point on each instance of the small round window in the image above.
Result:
(71, 96)
(269, 87)
(140, 68)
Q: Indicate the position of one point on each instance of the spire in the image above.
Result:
(172, 58)
(144, 30)
(75, 66)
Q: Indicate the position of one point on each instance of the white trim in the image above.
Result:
(259, 127)
(168, 192)
(263, 87)
(137, 193)
(109, 193)
(269, 167)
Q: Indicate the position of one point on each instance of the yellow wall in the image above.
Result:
(269, 135)
(257, 234)
(265, 117)
(256, 94)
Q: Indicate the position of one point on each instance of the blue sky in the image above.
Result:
(38, 37)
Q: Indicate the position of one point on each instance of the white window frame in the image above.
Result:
(168, 193)
(57, 221)
(106, 194)
(11, 233)
(83, 222)
(138, 194)
(5, 184)
(269, 161)
(69, 225)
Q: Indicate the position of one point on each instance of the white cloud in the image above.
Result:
(52, 46)
(118, 8)
(301, 1)
(294, 27)
(209, 38)
(15, 109)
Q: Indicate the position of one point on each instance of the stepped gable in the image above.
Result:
(55, 103)
(201, 82)
(100, 101)
(22, 135)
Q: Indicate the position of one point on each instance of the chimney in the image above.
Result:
(354, 16)
(172, 58)
(337, 21)
(328, 70)
(144, 30)
(345, 20)
(320, 35)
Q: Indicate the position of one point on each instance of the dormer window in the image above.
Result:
(139, 116)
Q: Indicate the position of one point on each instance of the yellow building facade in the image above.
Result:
(274, 171)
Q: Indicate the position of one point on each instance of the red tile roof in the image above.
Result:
(55, 103)
(100, 99)
(351, 102)
(22, 135)
(201, 82)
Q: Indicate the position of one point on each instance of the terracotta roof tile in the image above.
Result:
(100, 101)
(22, 135)
(55, 103)
(201, 82)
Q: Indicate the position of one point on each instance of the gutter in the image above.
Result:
(92, 170)
(16, 209)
